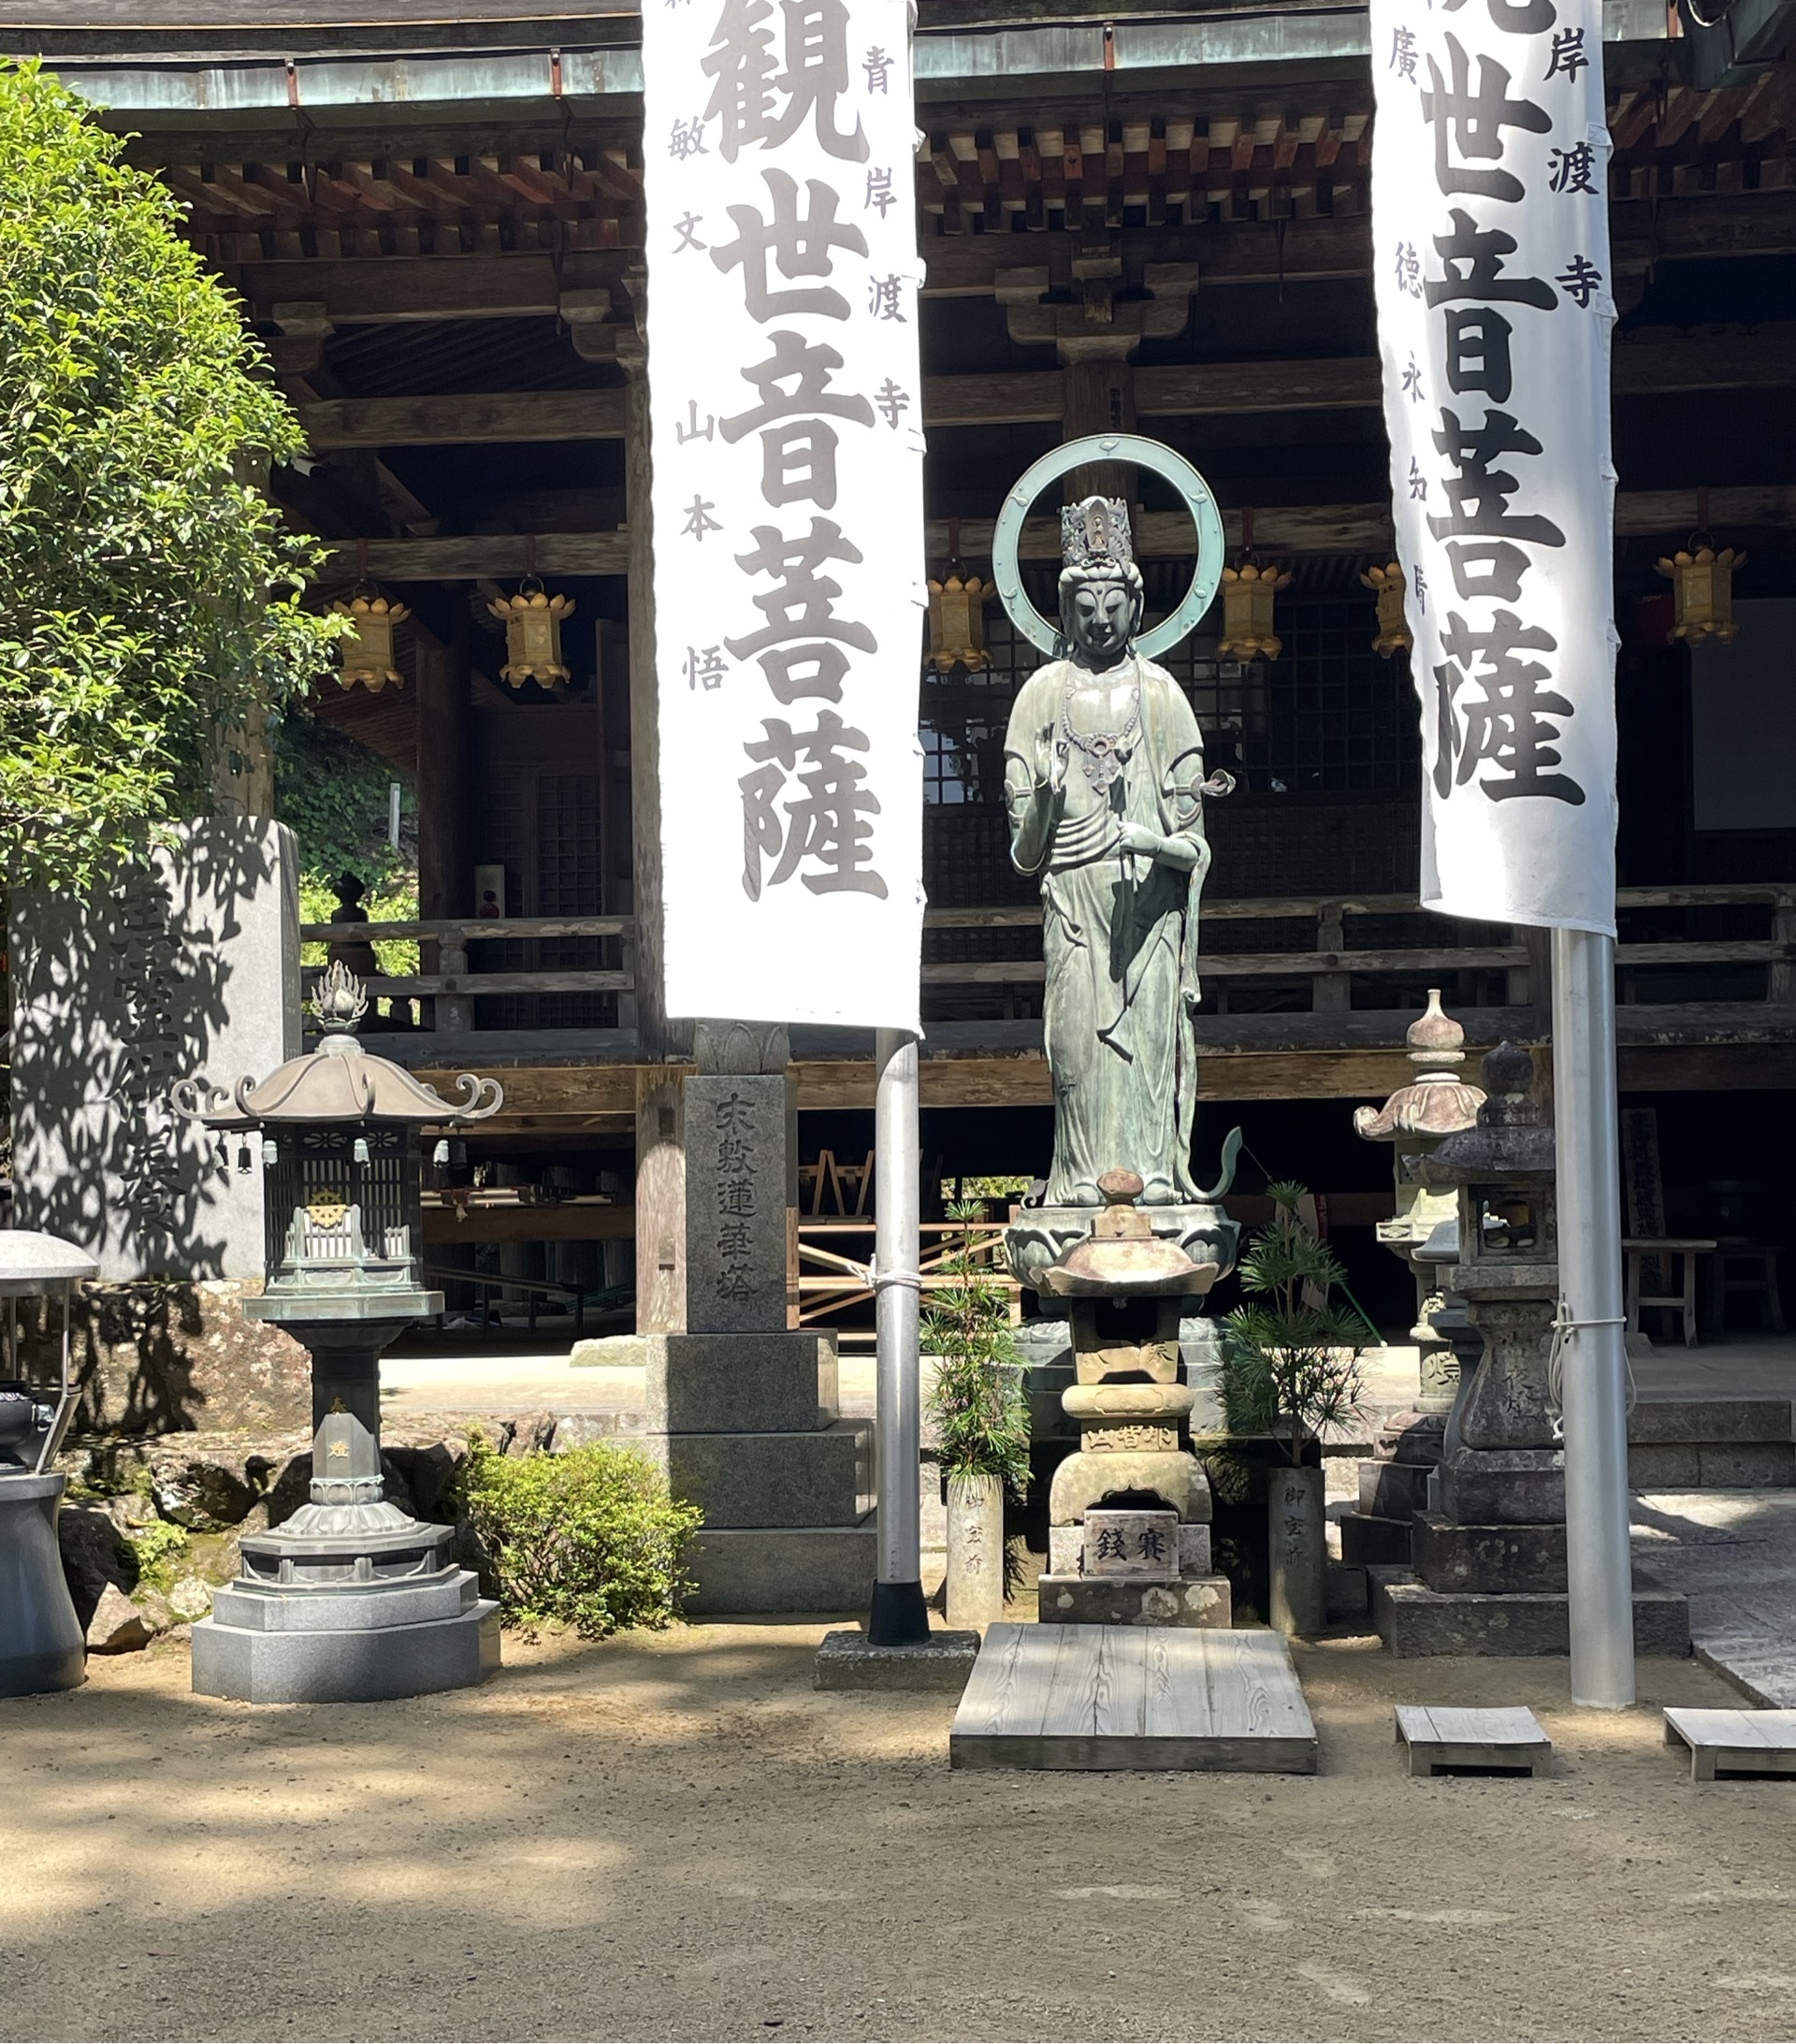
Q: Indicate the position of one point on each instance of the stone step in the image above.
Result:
(1711, 1443)
(1414, 1621)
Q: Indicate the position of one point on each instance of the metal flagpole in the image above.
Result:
(1594, 1358)
(899, 1617)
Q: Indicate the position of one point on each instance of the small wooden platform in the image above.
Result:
(1131, 1696)
(1437, 1737)
(1748, 1742)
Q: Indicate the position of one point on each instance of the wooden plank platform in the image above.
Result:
(1752, 1741)
(1437, 1737)
(1122, 1696)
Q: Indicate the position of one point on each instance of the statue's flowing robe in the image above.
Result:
(1119, 939)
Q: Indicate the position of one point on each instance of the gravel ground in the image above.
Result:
(675, 1836)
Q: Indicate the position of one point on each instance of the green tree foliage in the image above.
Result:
(1289, 1363)
(332, 791)
(589, 1539)
(978, 1402)
(149, 595)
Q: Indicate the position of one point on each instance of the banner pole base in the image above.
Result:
(899, 1617)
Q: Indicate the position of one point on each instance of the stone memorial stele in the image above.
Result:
(743, 1409)
(187, 959)
(1105, 787)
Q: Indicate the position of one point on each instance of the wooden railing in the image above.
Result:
(1328, 962)
(453, 986)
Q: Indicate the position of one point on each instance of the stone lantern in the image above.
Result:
(40, 1637)
(1490, 1551)
(1415, 1119)
(350, 1598)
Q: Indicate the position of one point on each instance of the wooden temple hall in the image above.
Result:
(1157, 222)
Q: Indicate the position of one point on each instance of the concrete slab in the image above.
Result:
(1733, 1554)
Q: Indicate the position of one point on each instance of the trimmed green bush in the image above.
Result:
(589, 1539)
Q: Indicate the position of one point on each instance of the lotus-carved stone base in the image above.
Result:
(1041, 1237)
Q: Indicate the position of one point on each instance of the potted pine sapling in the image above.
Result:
(981, 1419)
(1291, 1368)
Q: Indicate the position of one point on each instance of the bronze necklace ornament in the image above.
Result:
(1101, 753)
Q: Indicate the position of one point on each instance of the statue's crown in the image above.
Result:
(1095, 534)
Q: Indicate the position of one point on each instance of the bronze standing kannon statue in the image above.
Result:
(1104, 782)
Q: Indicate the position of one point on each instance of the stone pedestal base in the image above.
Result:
(346, 1603)
(746, 1426)
(1367, 1540)
(1040, 1236)
(943, 1662)
(745, 1569)
(1135, 1599)
(1414, 1621)
(1503, 1486)
(1393, 1490)
(1488, 1560)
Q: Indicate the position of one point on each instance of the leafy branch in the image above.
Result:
(1289, 1364)
(977, 1400)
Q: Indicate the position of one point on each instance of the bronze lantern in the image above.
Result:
(367, 652)
(957, 622)
(1394, 635)
(532, 621)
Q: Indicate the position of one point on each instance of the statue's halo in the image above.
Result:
(1142, 454)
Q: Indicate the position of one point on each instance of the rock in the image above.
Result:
(154, 1610)
(582, 1430)
(95, 1559)
(203, 1492)
(116, 1625)
(532, 1434)
(189, 1599)
(434, 1470)
(610, 1352)
(395, 1473)
(155, 1357)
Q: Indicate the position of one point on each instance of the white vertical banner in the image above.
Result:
(786, 402)
(1490, 230)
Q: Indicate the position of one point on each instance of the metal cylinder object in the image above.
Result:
(1594, 1377)
(899, 1617)
(40, 1637)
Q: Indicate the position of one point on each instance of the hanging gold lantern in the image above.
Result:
(1394, 635)
(957, 622)
(1702, 588)
(1701, 583)
(532, 621)
(367, 646)
(1248, 622)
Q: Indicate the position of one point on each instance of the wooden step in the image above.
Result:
(1149, 1697)
(1749, 1742)
(1438, 1737)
